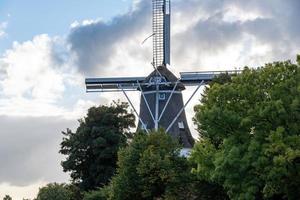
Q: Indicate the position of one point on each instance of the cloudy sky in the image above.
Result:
(47, 48)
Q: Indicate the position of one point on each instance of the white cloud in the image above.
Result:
(41, 94)
(85, 22)
(236, 14)
(29, 151)
(36, 76)
(206, 35)
(3, 26)
(20, 192)
(30, 70)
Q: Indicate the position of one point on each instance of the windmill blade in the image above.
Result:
(194, 78)
(112, 84)
(161, 31)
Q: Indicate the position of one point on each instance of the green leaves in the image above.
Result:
(250, 130)
(203, 154)
(92, 150)
(7, 197)
(54, 191)
(151, 168)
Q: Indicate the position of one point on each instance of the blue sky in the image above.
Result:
(27, 18)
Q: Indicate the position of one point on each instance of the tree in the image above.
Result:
(250, 133)
(92, 150)
(7, 197)
(151, 168)
(100, 194)
(75, 192)
(54, 191)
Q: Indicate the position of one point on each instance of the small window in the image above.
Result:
(162, 96)
(181, 125)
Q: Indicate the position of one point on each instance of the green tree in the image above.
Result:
(100, 194)
(251, 133)
(204, 190)
(7, 197)
(151, 168)
(54, 191)
(92, 150)
(75, 192)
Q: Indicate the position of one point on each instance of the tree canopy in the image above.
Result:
(250, 132)
(7, 197)
(92, 150)
(54, 191)
(151, 168)
(100, 194)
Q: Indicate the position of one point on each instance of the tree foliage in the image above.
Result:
(92, 150)
(151, 168)
(251, 133)
(54, 191)
(7, 197)
(100, 194)
(75, 192)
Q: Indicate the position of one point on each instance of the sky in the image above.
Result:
(47, 48)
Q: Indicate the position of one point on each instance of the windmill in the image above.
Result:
(161, 104)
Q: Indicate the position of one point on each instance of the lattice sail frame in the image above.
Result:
(151, 87)
(161, 32)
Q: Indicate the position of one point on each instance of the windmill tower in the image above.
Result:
(161, 104)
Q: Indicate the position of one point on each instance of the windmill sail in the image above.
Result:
(161, 32)
(161, 104)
